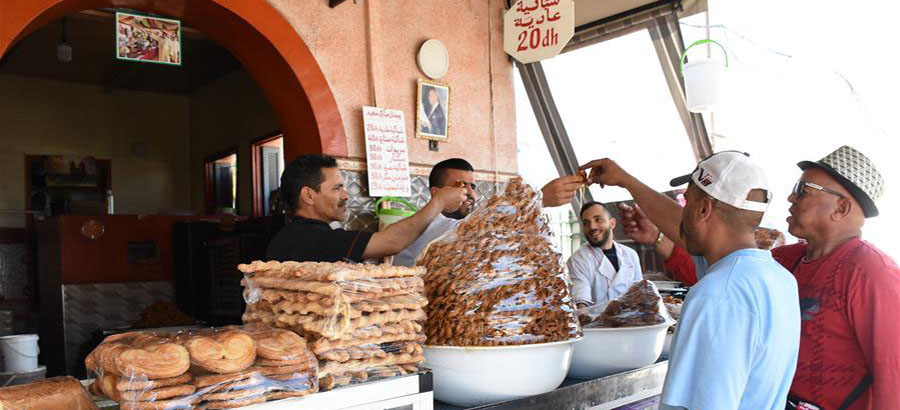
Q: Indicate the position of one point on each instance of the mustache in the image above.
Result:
(342, 204)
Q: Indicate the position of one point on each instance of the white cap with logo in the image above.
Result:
(729, 176)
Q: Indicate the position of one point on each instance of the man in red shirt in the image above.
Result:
(849, 289)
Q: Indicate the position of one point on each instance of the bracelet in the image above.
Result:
(658, 239)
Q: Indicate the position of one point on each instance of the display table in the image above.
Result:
(413, 392)
(604, 393)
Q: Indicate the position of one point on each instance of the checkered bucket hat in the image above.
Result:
(854, 171)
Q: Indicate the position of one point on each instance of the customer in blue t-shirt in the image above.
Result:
(736, 343)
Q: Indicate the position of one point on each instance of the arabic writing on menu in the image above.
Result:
(533, 35)
(386, 152)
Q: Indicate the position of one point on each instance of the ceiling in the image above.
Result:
(92, 37)
(588, 11)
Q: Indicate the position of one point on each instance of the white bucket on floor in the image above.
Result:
(20, 353)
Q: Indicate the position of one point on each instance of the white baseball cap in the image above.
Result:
(729, 176)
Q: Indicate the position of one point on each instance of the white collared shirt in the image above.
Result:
(595, 280)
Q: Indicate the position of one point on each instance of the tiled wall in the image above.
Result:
(362, 207)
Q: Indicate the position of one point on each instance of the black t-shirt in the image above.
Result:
(611, 255)
(311, 240)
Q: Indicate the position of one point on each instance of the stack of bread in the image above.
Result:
(496, 279)
(362, 321)
(212, 369)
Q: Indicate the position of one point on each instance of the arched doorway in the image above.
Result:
(254, 32)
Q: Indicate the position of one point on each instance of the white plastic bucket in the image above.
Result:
(20, 353)
(702, 80)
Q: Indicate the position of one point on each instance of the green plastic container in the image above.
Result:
(387, 216)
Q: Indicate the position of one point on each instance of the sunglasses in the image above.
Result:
(799, 190)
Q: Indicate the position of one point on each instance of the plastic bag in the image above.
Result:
(641, 305)
(363, 321)
(496, 280)
(55, 393)
(220, 368)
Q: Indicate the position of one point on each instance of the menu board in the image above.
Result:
(386, 152)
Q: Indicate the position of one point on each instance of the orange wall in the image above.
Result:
(341, 39)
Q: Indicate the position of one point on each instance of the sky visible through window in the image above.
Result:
(804, 78)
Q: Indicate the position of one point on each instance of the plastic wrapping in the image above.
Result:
(55, 393)
(673, 306)
(211, 368)
(641, 305)
(363, 322)
(496, 280)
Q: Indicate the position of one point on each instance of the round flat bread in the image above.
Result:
(216, 379)
(239, 394)
(291, 362)
(233, 404)
(253, 381)
(124, 383)
(174, 404)
(168, 392)
(267, 370)
(278, 395)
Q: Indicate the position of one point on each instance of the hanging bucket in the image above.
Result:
(701, 79)
(20, 353)
(387, 216)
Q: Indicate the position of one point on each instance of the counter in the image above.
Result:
(604, 393)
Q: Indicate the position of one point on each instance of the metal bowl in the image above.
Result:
(605, 351)
(471, 376)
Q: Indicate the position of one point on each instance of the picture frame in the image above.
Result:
(148, 39)
(432, 110)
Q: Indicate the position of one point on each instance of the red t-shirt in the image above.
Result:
(850, 308)
(682, 266)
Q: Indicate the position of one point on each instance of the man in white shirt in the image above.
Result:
(601, 270)
(450, 172)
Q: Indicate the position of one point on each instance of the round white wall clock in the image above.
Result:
(433, 58)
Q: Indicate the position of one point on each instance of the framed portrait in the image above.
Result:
(433, 110)
(148, 39)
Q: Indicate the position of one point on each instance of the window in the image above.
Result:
(268, 164)
(221, 183)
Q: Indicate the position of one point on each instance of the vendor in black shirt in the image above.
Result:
(313, 188)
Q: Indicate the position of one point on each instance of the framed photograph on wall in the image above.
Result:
(433, 110)
(148, 39)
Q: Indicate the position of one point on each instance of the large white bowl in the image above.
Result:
(470, 376)
(605, 351)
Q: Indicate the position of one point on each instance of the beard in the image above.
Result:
(463, 211)
(602, 240)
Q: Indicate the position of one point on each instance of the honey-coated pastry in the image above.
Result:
(498, 281)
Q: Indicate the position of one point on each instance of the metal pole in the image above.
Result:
(667, 41)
